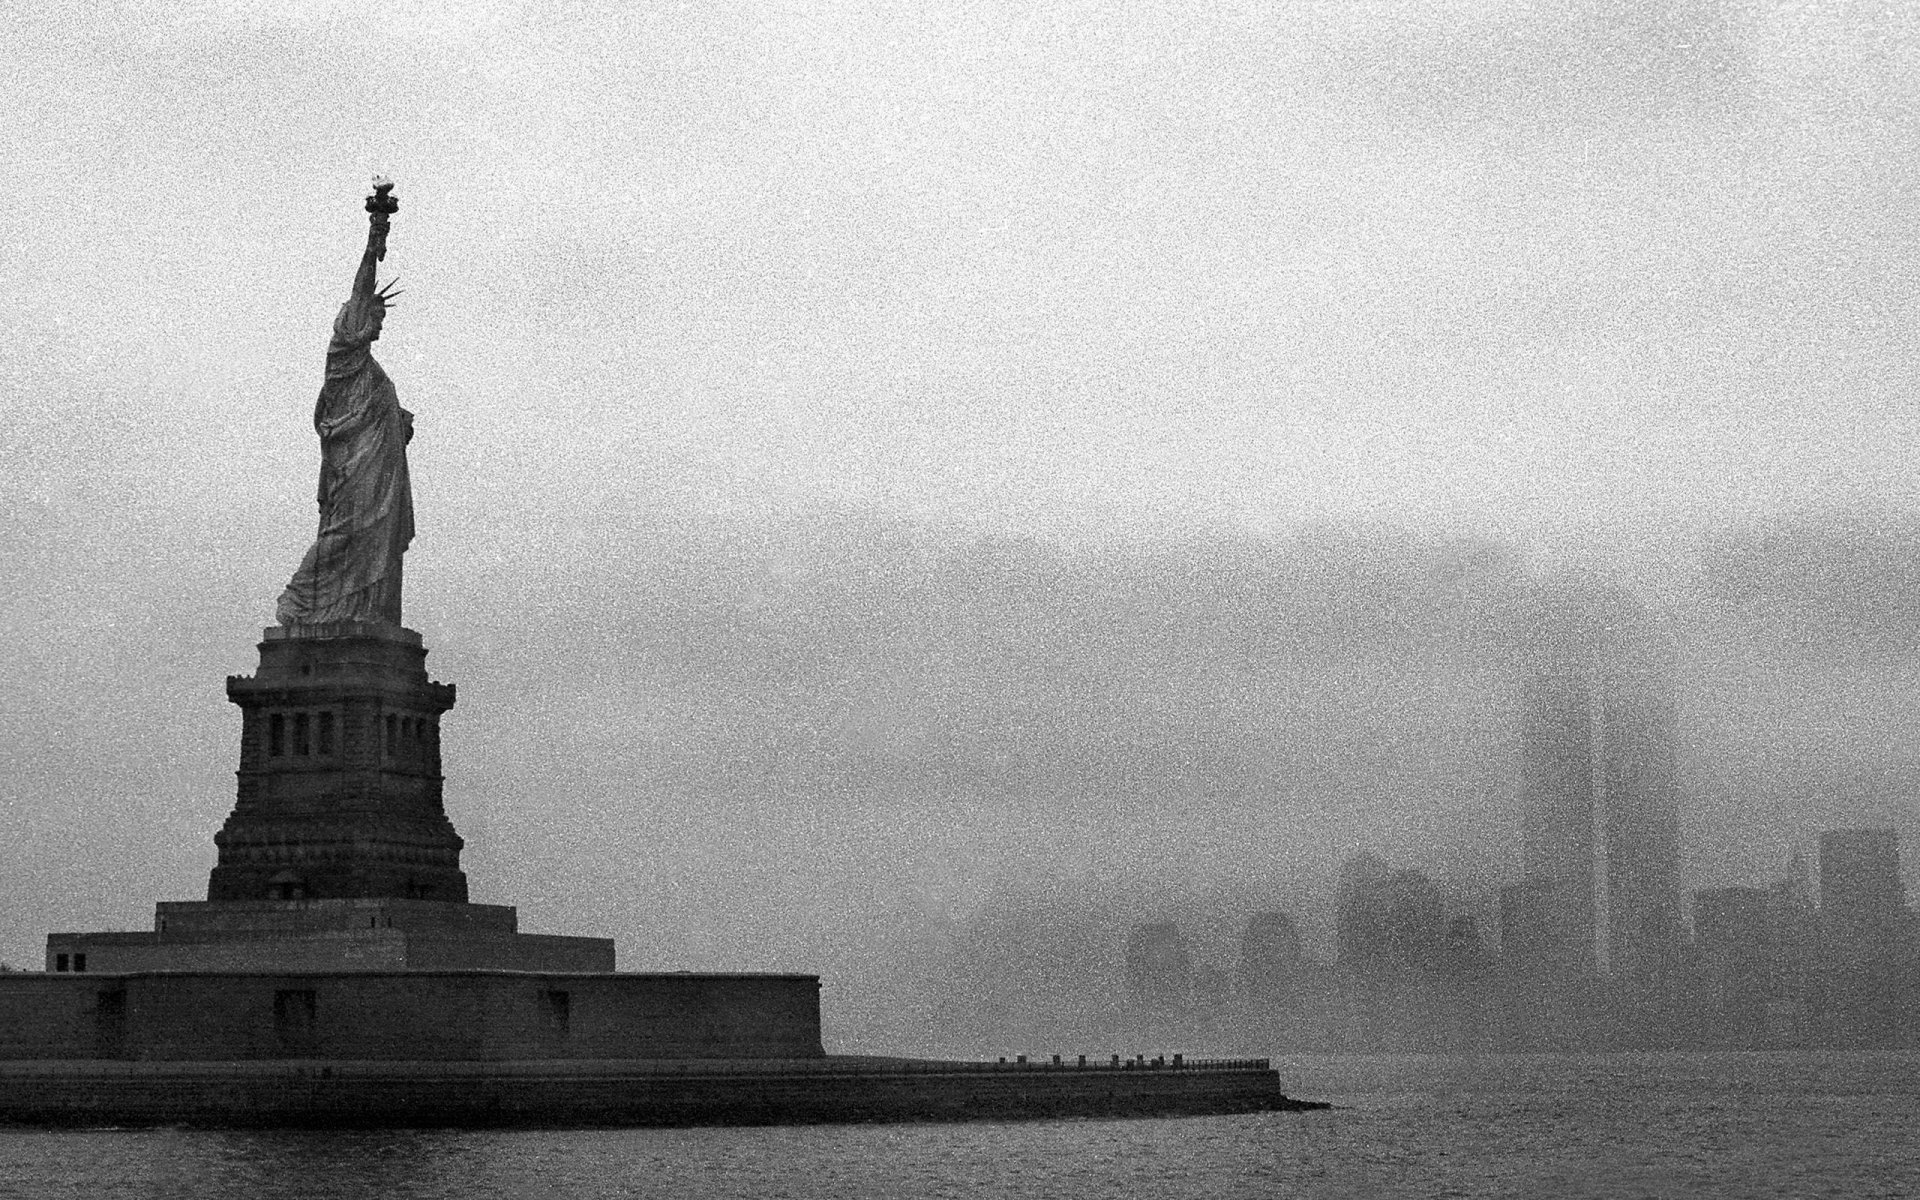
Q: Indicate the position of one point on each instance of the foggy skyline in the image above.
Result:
(867, 456)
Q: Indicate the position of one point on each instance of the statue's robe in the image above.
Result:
(352, 573)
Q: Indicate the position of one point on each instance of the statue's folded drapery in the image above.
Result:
(352, 573)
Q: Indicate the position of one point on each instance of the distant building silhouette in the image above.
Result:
(1388, 921)
(1796, 924)
(1533, 941)
(1464, 957)
(1159, 968)
(1736, 927)
(1599, 790)
(1863, 902)
(1358, 926)
(1737, 936)
(1272, 963)
(1212, 986)
(1860, 873)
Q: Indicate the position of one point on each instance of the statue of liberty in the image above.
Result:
(352, 573)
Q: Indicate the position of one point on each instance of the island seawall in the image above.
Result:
(496, 1047)
(637, 1092)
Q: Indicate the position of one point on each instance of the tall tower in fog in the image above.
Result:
(1598, 781)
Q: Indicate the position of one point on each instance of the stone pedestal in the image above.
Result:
(337, 927)
(340, 781)
(327, 935)
(338, 855)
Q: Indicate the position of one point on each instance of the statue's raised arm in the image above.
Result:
(381, 205)
(381, 208)
(352, 573)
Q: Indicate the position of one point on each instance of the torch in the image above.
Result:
(381, 205)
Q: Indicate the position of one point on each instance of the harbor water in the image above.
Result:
(1791, 1124)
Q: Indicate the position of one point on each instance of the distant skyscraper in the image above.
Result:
(1599, 789)
(1863, 903)
(1388, 921)
(1737, 927)
(1534, 941)
(1860, 873)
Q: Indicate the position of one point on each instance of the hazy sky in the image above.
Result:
(868, 451)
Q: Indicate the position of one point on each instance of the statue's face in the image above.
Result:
(375, 319)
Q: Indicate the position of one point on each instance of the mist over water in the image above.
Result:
(949, 770)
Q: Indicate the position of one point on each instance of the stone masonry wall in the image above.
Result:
(412, 1015)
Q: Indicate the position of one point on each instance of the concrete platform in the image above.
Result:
(652, 1092)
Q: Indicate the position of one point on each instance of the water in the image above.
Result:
(1640, 1125)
